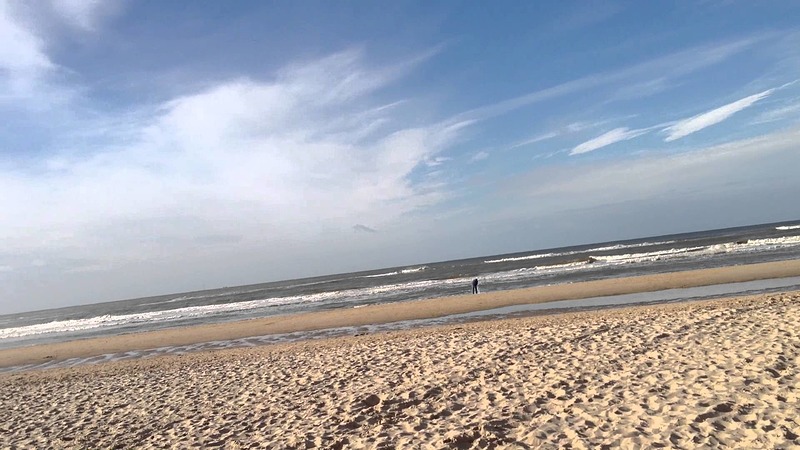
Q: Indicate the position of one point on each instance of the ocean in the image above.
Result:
(659, 254)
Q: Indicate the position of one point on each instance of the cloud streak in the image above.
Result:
(665, 68)
(786, 112)
(535, 139)
(681, 128)
(685, 127)
(697, 174)
(606, 139)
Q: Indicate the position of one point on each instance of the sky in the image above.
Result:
(151, 147)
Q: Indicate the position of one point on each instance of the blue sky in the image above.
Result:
(152, 147)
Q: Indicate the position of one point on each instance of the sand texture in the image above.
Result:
(721, 373)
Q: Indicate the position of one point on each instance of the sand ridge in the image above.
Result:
(721, 373)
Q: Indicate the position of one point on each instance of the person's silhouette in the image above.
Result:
(475, 286)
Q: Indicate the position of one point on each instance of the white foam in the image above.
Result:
(788, 227)
(397, 272)
(647, 256)
(575, 252)
(771, 243)
(387, 274)
(598, 262)
(527, 272)
(522, 258)
(193, 312)
(207, 295)
(621, 246)
(751, 245)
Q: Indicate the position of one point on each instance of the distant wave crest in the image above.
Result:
(397, 272)
(575, 252)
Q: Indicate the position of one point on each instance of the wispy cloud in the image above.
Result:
(694, 124)
(658, 175)
(570, 128)
(642, 89)
(663, 68)
(84, 14)
(23, 61)
(606, 139)
(480, 156)
(437, 161)
(535, 139)
(789, 111)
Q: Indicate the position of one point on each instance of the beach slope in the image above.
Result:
(702, 374)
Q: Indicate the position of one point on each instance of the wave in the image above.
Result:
(397, 272)
(788, 227)
(387, 274)
(522, 258)
(575, 252)
(528, 272)
(622, 246)
(170, 315)
(172, 300)
(226, 292)
(648, 256)
(597, 262)
(750, 245)
(195, 312)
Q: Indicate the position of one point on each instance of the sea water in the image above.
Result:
(660, 254)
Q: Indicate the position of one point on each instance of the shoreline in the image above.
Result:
(392, 312)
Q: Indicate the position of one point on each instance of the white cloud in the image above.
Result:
(611, 137)
(480, 156)
(23, 60)
(263, 160)
(691, 125)
(29, 78)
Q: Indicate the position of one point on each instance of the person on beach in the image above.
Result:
(475, 286)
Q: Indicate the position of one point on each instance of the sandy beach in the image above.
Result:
(720, 373)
